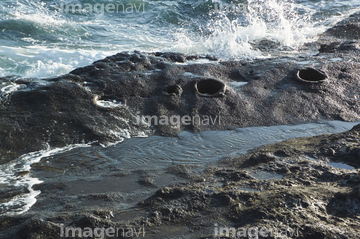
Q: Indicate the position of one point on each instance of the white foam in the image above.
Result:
(197, 61)
(11, 175)
(231, 38)
(43, 62)
(7, 88)
(77, 44)
(286, 22)
(107, 103)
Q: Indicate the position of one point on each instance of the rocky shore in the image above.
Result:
(293, 186)
(309, 187)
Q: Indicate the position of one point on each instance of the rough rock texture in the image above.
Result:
(348, 28)
(343, 37)
(289, 186)
(292, 185)
(67, 110)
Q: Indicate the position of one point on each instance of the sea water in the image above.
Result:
(50, 38)
(42, 39)
(153, 153)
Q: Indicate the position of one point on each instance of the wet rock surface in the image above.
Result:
(349, 28)
(307, 186)
(103, 102)
(292, 186)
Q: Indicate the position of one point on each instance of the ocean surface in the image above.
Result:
(49, 38)
(41, 39)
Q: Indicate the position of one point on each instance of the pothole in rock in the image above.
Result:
(210, 87)
(174, 90)
(311, 75)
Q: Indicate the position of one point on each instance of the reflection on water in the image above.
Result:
(85, 169)
(208, 146)
(341, 165)
(264, 175)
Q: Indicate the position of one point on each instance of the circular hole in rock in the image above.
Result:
(311, 75)
(210, 87)
(174, 90)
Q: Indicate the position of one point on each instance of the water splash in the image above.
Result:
(239, 30)
(16, 180)
(39, 41)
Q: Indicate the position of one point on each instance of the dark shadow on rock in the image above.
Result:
(103, 102)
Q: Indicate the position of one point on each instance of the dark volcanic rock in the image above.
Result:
(103, 102)
(308, 187)
(346, 29)
(342, 38)
(289, 186)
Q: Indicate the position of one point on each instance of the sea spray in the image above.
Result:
(17, 174)
(234, 28)
(38, 40)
